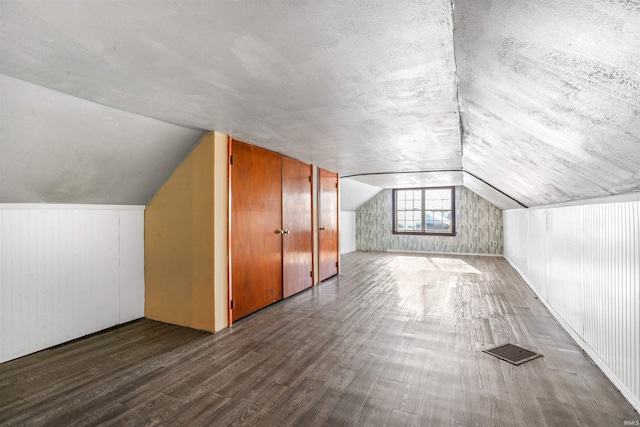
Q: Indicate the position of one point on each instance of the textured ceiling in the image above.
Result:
(548, 92)
(550, 96)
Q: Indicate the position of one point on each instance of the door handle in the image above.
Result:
(321, 228)
(280, 231)
(285, 231)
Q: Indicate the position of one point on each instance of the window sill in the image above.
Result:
(423, 233)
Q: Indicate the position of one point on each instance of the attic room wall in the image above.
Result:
(347, 232)
(67, 271)
(75, 176)
(478, 225)
(584, 263)
(186, 241)
(56, 148)
(353, 194)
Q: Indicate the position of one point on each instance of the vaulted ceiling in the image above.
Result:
(526, 103)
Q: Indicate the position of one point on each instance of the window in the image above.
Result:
(424, 211)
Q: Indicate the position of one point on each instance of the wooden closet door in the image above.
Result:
(328, 224)
(256, 217)
(297, 249)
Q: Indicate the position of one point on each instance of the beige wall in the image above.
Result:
(221, 230)
(185, 241)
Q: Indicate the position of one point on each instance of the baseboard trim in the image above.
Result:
(633, 400)
(439, 253)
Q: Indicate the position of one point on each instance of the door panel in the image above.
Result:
(256, 215)
(328, 224)
(297, 259)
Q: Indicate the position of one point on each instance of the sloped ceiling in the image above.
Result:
(354, 194)
(550, 96)
(548, 93)
(61, 149)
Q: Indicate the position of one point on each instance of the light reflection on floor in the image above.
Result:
(419, 283)
(454, 265)
(417, 263)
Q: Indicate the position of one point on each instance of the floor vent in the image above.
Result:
(512, 353)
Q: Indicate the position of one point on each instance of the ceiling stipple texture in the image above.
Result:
(546, 93)
(550, 96)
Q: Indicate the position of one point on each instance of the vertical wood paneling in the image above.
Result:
(523, 237)
(592, 270)
(511, 246)
(538, 251)
(634, 323)
(131, 269)
(60, 273)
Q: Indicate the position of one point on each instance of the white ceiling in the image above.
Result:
(550, 96)
(354, 194)
(548, 93)
(58, 148)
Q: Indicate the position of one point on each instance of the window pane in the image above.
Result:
(437, 221)
(433, 214)
(428, 220)
(438, 199)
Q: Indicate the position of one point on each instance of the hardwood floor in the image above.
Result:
(395, 340)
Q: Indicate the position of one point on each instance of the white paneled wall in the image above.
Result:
(131, 271)
(67, 271)
(347, 232)
(584, 263)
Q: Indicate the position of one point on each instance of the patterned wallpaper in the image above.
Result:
(478, 225)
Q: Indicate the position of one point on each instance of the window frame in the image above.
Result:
(422, 215)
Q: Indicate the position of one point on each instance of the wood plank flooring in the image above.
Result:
(395, 340)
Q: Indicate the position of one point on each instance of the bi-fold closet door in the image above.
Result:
(271, 246)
